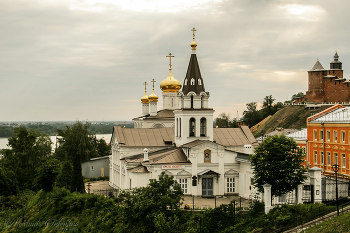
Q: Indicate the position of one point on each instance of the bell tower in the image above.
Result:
(193, 119)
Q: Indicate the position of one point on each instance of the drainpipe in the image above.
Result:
(324, 161)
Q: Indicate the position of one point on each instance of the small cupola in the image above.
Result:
(336, 65)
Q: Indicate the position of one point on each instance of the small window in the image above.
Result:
(230, 185)
(343, 136)
(329, 158)
(328, 135)
(315, 135)
(92, 168)
(335, 136)
(343, 160)
(192, 81)
(335, 158)
(315, 153)
(185, 82)
(183, 184)
(199, 82)
(203, 127)
(192, 127)
(321, 135)
(322, 159)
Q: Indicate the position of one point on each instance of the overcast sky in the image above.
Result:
(87, 59)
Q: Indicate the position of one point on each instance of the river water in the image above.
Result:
(4, 141)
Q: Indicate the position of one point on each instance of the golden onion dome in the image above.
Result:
(193, 45)
(145, 99)
(153, 97)
(170, 84)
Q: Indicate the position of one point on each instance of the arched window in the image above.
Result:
(199, 82)
(191, 101)
(192, 81)
(203, 127)
(192, 127)
(185, 82)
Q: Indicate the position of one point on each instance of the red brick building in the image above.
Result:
(326, 86)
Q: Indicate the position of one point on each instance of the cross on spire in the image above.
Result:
(153, 81)
(145, 83)
(193, 30)
(170, 56)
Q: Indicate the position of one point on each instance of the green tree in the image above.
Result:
(64, 177)
(102, 148)
(29, 149)
(278, 161)
(47, 174)
(267, 107)
(252, 116)
(143, 205)
(76, 141)
(8, 182)
(76, 144)
(224, 121)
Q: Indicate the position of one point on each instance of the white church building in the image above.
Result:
(180, 140)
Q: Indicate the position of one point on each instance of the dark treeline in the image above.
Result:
(51, 128)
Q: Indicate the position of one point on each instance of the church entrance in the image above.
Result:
(207, 186)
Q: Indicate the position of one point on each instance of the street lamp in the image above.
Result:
(335, 168)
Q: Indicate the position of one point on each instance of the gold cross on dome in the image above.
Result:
(170, 56)
(193, 30)
(153, 81)
(145, 83)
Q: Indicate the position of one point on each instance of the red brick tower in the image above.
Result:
(316, 84)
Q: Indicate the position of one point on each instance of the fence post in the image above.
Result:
(300, 194)
(315, 180)
(267, 197)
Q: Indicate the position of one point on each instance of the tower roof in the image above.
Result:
(193, 80)
(336, 56)
(317, 66)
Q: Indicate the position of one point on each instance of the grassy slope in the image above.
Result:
(337, 224)
(289, 117)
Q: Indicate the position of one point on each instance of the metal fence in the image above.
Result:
(328, 189)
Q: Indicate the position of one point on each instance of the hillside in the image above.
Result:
(337, 224)
(289, 117)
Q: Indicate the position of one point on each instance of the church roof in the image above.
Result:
(145, 137)
(161, 114)
(233, 136)
(164, 156)
(194, 73)
(317, 66)
(153, 137)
